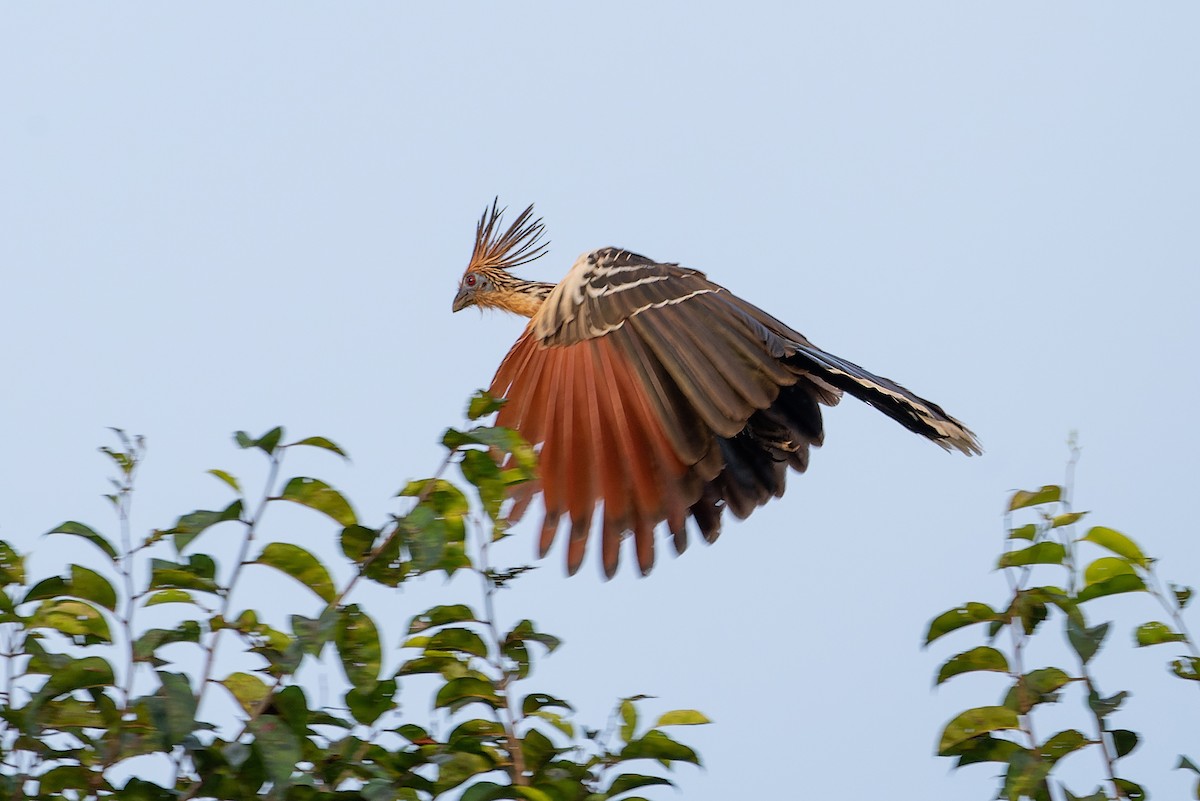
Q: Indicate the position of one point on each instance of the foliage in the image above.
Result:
(1005, 733)
(88, 689)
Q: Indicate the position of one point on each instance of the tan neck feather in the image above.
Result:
(521, 303)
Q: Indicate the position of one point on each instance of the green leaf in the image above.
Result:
(1131, 790)
(1026, 532)
(1116, 542)
(196, 574)
(1040, 553)
(966, 615)
(633, 781)
(1099, 795)
(658, 745)
(1086, 641)
(193, 524)
(247, 689)
(1022, 499)
(981, 658)
(441, 616)
(535, 702)
(1068, 519)
(1036, 687)
(80, 530)
(482, 404)
(357, 542)
(525, 631)
(1063, 743)
(12, 565)
(1182, 595)
(277, 747)
(266, 443)
(465, 690)
(367, 705)
(974, 722)
(78, 620)
(145, 646)
(228, 478)
(1156, 633)
(320, 442)
(357, 640)
(1107, 567)
(91, 586)
(682, 717)
(537, 749)
(458, 639)
(316, 494)
(1103, 707)
(77, 674)
(1124, 741)
(1113, 586)
(300, 565)
(629, 719)
(169, 597)
(1187, 667)
(173, 708)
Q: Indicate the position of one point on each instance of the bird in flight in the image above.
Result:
(659, 394)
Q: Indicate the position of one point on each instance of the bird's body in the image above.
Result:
(660, 393)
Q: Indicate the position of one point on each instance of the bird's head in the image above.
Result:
(487, 282)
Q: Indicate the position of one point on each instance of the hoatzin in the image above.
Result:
(659, 392)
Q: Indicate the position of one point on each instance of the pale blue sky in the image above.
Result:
(229, 216)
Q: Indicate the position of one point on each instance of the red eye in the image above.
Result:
(470, 280)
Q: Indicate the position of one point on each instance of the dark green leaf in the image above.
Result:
(1086, 641)
(1156, 633)
(12, 565)
(1024, 498)
(537, 749)
(357, 542)
(1099, 795)
(983, 748)
(467, 689)
(1040, 553)
(525, 631)
(1124, 741)
(1103, 707)
(91, 586)
(632, 781)
(1063, 743)
(150, 641)
(266, 443)
(1187, 764)
(1131, 790)
(276, 746)
(80, 530)
(658, 745)
(1036, 687)
(316, 494)
(974, 722)
(300, 565)
(173, 708)
(193, 524)
(77, 674)
(196, 574)
(367, 705)
(981, 658)
(1116, 542)
(357, 640)
(1113, 586)
(1026, 776)
(458, 639)
(538, 701)
(441, 616)
(320, 442)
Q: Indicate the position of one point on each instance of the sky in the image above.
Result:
(227, 217)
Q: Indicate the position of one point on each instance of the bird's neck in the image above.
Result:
(523, 297)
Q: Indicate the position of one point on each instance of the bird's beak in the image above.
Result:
(463, 299)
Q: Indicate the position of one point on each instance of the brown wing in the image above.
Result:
(640, 395)
(658, 392)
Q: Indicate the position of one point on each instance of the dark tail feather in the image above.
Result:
(914, 413)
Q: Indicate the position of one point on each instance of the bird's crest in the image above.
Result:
(520, 244)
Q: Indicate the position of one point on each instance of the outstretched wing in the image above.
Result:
(638, 380)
